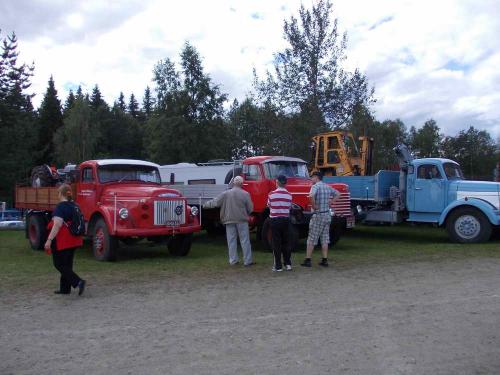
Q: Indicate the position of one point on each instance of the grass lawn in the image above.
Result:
(20, 266)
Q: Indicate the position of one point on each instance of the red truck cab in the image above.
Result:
(259, 175)
(120, 199)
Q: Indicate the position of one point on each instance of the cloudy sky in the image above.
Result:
(427, 59)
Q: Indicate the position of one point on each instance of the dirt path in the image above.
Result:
(420, 318)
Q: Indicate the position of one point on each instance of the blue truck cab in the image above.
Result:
(431, 190)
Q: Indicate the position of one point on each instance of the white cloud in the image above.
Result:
(427, 59)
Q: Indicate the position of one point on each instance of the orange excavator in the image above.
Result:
(335, 153)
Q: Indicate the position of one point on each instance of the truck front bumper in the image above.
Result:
(160, 231)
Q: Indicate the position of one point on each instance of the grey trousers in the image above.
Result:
(233, 231)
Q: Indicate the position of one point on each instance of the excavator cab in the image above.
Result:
(336, 153)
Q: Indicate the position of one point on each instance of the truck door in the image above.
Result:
(256, 186)
(429, 189)
(86, 195)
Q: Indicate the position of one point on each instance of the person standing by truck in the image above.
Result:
(235, 208)
(280, 203)
(62, 243)
(321, 196)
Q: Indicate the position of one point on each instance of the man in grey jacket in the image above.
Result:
(235, 208)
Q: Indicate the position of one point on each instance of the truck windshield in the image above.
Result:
(119, 173)
(288, 168)
(453, 171)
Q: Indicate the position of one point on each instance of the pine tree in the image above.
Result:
(147, 102)
(79, 93)
(69, 102)
(121, 102)
(133, 106)
(96, 99)
(17, 118)
(50, 119)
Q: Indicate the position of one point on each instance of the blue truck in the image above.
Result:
(431, 190)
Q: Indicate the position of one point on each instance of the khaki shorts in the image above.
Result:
(319, 228)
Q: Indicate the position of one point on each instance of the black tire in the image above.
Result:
(337, 229)
(41, 176)
(180, 245)
(229, 176)
(293, 237)
(104, 246)
(36, 229)
(266, 235)
(468, 225)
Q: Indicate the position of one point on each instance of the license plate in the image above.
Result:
(172, 223)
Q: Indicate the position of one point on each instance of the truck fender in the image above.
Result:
(486, 208)
(106, 214)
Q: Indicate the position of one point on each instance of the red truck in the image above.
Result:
(121, 200)
(259, 175)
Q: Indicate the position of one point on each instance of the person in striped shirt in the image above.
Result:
(280, 203)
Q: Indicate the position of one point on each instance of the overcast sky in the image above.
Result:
(435, 59)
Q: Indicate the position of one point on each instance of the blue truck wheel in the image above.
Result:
(468, 225)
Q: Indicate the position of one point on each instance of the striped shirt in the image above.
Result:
(279, 202)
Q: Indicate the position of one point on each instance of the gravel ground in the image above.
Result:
(411, 318)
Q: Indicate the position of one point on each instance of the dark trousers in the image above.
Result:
(280, 242)
(63, 262)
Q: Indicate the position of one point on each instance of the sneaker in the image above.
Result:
(323, 263)
(277, 269)
(234, 263)
(81, 287)
(307, 263)
(288, 267)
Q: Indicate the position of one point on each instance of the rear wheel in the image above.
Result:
(37, 231)
(180, 244)
(468, 225)
(293, 237)
(266, 236)
(337, 229)
(104, 246)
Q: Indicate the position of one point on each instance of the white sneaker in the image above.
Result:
(277, 270)
(288, 267)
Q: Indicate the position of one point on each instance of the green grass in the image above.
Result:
(20, 266)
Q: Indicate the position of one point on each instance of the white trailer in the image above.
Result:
(215, 173)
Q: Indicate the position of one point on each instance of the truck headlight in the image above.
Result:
(194, 211)
(123, 213)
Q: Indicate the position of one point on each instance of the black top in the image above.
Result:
(64, 210)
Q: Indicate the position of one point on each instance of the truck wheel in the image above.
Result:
(468, 225)
(41, 176)
(180, 245)
(337, 229)
(266, 236)
(104, 246)
(293, 237)
(37, 231)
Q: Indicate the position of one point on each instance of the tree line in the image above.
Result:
(185, 116)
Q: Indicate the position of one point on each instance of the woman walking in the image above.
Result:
(62, 243)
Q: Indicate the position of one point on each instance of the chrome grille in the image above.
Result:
(342, 206)
(171, 212)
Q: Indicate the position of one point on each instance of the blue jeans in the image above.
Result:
(233, 231)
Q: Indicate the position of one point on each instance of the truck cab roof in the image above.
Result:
(269, 159)
(417, 162)
(122, 162)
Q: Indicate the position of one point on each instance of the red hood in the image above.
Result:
(300, 188)
(140, 190)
